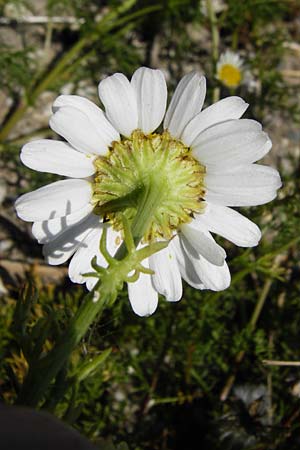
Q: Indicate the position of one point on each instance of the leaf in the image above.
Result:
(92, 365)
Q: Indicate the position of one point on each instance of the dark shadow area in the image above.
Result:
(27, 429)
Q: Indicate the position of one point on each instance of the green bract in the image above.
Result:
(141, 164)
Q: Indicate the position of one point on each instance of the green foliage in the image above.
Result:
(12, 74)
(252, 12)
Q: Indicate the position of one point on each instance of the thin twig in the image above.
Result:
(41, 20)
(270, 383)
(293, 46)
(290, 73)
(271, 362)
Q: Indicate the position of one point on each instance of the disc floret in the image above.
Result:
(230, 75)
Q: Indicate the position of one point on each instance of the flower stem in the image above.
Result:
(149, 200)
(215, 37)
(44, 370)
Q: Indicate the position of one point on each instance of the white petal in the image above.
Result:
(212, 277)
(61, 249)
(119, 99)
(216, 278)
(226, 109)
(151, 93)
(57, 157)
(142, 295)
(92, 111)
(231, 144)
(246, 186)
(82, 124)
(167, 279)
(54, 200)
(91, 282)
(203, 243)
(185, 265)
(48, 230)
(230, 224)
(82, 103)
(81, 261)
(186, 103)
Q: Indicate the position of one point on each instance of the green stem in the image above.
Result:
(214, 31)
(149, 200)
(44, 370)
(14, 119)
(215, 38)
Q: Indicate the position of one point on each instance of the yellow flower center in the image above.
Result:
(144, 164)
(229, 75)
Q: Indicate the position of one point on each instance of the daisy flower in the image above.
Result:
(230, 69)
(199, 166)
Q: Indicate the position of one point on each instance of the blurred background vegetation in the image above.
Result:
(195, 373)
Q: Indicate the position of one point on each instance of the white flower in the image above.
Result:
(214, 147)
(230, 69)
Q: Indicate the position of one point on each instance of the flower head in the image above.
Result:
(230, 69)
(180, 184)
